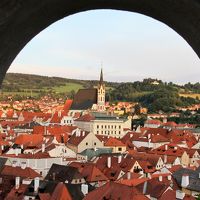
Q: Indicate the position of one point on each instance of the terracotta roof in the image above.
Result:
(112, 190)
(170, 124)
(44, 196)
(18, 171)
(114, 142)
(153, 121)
(17, 194)
(61, 193)
(68, 104)
(29, 140)
(86, 118)
(133, 182)
(92, 173)
(76, 140)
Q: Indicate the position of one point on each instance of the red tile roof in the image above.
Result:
(29, 140)
(18, 171)
(76, 140)
(112, 190)
(114, 142)
(61, 193)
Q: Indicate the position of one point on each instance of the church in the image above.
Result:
(92, 99)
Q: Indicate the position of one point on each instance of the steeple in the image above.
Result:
(101, 77)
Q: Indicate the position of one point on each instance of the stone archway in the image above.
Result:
(21, 20)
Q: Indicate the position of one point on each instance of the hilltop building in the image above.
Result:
(90, 99)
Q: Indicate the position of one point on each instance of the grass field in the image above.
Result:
(35, 92)
(190, 95)
(68, 87)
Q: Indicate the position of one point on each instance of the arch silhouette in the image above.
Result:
(21, 20)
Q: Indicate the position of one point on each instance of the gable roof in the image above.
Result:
(62, 173)
(61, 192)
(84, 99)
(112, 190)
(194, 180)
(18, 171)
(113, 142)
(77, 139)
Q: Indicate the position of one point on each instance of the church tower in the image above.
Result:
(101, 92)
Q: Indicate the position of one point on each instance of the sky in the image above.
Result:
(128, 46)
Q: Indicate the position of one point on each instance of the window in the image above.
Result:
(97, 132)
(101, 126)
(119, 132)
(105, 126)
(97, 126)
(119, 126)
(95, 143)
(108, 126)
(86, 143)
(119, 149)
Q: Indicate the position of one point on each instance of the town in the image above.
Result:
(87, 148)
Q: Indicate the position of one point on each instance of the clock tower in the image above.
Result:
(101, 92)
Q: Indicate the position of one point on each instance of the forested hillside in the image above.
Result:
(151, 93)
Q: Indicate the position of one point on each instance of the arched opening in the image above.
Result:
(23, 20)
(127, 43)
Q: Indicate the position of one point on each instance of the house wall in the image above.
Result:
(62, 151)
(86, 126)
(114, 128)
(185, 159)
(90, 141)
(41, 166)
(67, 120)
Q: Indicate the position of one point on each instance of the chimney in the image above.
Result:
(166, 147)
(17, 182)
(160, 178)
(128, 175)
(54, 176)
(149, 136)
(131, 135)
(185, 180)
(83, 133)
(144, 188)
(36, 183)
(180, 194)
(119, 158)
(109, 162)
(43, 147)
(84, 189)
(175, 148)
(22, 146)
(165, 158)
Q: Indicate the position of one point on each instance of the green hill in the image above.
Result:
(151, 93)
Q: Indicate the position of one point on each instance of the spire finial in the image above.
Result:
(101, 77)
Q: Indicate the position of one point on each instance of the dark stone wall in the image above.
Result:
(21, 20)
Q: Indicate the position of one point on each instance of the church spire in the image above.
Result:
(101, 77)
